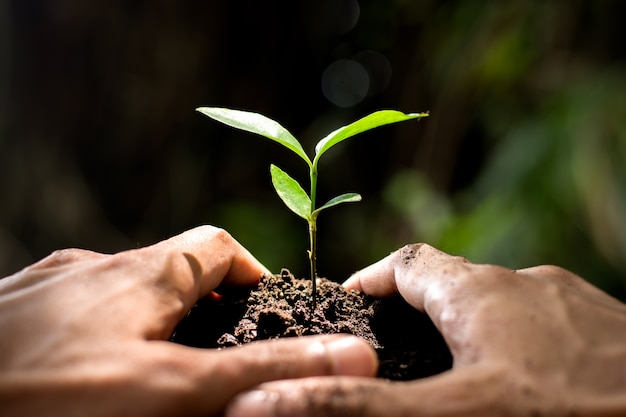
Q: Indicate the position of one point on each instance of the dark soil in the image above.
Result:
(408, 344)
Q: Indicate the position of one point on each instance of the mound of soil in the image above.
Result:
(406, 341)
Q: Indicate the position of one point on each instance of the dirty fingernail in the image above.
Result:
(252, 404)
(352, 356)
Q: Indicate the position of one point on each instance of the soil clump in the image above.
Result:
(406, 341)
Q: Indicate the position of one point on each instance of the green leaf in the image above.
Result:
(376, 119)
(343, 198)
(256, 123)
(291, 192)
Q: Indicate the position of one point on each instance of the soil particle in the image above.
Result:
(407, 343)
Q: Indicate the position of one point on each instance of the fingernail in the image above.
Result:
(352, 356)
(252, 404)
(351, 283)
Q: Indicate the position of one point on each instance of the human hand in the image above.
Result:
(85, 334)
(533, 342)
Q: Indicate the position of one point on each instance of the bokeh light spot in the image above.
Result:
(345, 83)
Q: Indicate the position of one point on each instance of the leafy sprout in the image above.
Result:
(288, 189)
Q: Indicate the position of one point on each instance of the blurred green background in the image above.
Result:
(521, 162)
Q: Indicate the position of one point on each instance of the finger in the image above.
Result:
(220, 375)
(377, 279)
(165, 379)
(205, 257)
(220, 256)
(158, 284)
(415, 271)
(478, 392)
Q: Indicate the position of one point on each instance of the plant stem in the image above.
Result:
(313, 240)
(312, 262)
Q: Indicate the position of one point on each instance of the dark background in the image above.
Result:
(520, 163)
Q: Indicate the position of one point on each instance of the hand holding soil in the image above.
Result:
(85, 334)
(537, 341)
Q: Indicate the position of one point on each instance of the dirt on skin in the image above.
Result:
(406, 341)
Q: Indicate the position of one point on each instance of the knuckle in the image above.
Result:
(408, 253)
(428, 254)
(413, 248)
(461, 260)
(200, 235)
(65, 255)
(222, 235)
(62, 257)
(552, 271)
(555, 275)
(212, 232)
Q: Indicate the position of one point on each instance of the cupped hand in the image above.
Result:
(85, 334)
(534, 342)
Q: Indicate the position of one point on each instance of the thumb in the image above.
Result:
(220, 375)
(301, 357)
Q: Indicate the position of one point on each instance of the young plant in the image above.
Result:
(289, 190)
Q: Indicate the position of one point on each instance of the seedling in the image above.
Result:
(288, 189)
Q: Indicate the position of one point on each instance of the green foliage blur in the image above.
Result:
(521, 162)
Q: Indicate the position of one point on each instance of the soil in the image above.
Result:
(406, 341)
